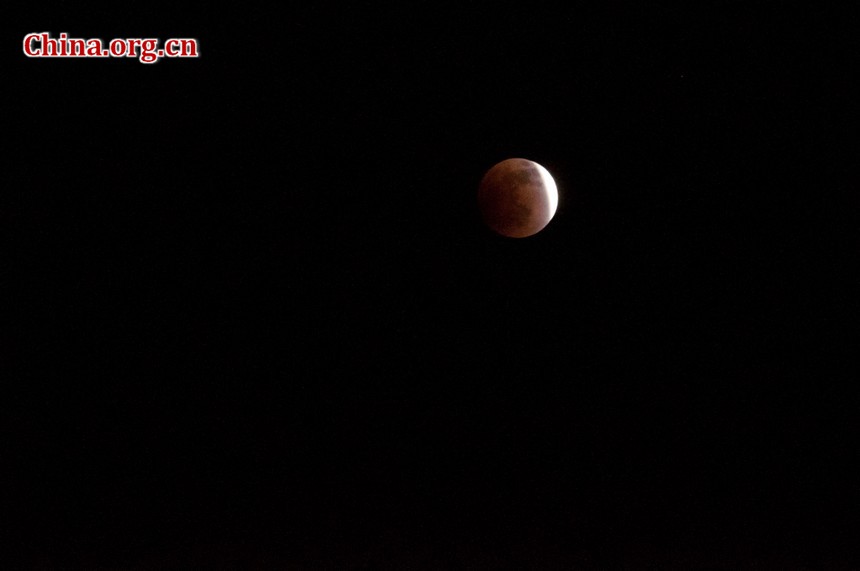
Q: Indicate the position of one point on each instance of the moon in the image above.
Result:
(517, 198)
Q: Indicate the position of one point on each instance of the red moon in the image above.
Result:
(517, 198)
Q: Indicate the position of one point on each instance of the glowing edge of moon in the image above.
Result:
(551, 189)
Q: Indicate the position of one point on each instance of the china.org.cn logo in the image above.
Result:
(145, 50)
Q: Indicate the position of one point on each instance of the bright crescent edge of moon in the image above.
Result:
(551, 188)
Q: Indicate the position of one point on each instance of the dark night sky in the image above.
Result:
(257, 321)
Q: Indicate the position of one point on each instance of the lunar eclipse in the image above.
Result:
(517, 198)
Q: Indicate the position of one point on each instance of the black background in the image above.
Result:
(258, 323)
